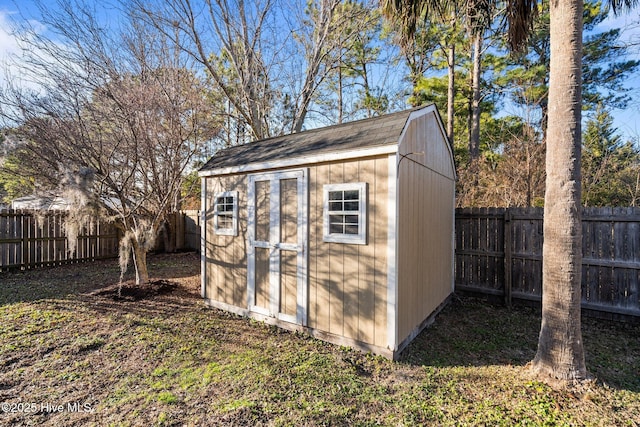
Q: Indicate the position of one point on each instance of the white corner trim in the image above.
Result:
(392, 250)
(306, 160)
(203, 237)
(453, 241)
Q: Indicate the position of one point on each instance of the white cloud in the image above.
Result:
(13, 69)
(8, 43)
(629, 24)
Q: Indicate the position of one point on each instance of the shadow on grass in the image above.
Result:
(472, 332)
(64, 281)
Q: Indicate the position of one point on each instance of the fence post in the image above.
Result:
(507, 257)
(25, 250)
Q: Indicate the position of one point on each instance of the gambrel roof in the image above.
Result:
(361, 134)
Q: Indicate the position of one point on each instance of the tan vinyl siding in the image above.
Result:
(226, 259)
(348, 282)
(425, 223)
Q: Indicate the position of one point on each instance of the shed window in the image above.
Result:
(225, 213)
(345, 213)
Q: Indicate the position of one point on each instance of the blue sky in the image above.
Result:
(627, 122)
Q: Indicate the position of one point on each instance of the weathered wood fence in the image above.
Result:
(499, 252)
(190, 220)
(28, 240)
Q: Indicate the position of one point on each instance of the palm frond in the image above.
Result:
(520, 17)
(406, 14)
(620, 6)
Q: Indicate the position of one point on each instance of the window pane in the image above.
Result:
(225, 221)
(335, 195)
(336, 219)
(352, 195)
(351, 206)
(224, 218)
(336, 228)
(343, 220)
(351, 219)
(335, 206)
(351, 229)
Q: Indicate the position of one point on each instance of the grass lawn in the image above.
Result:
(71, 354)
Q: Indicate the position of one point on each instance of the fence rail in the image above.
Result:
(499, 252)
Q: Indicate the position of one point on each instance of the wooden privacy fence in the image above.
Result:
(499, 252)
(28, 241)
(190, 220)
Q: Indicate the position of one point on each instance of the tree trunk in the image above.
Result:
(560, 352)
(314, 61)
(474, 128)
(340, 102)
(140, 264)
(451, 90)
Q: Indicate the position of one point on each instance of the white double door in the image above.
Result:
(277, 241)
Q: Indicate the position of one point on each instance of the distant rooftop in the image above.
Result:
(366, 133)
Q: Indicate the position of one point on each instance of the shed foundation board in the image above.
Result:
(321, 335)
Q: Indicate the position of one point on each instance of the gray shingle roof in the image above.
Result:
(376, 131)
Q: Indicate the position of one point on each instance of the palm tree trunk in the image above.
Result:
(560, 350)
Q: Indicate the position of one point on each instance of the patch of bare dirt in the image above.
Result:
(132, 292)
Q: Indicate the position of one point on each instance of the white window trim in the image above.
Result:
(233, 231)
(356, 239)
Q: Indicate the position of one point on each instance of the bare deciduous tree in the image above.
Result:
(229, 39)
(269, 59)
(114, 122)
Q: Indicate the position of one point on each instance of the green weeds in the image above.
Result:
(167, 361)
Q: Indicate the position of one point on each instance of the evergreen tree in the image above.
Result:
(604, 67)
(610, 166)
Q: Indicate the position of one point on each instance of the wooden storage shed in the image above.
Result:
(345, 232)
